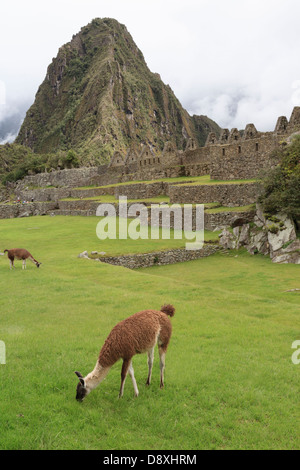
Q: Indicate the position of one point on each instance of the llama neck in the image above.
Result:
(94, 378)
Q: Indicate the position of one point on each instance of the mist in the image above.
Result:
(235, 61)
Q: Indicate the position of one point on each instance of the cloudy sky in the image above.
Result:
(236, 61)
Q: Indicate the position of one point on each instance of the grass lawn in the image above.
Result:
(216, 210)
(108, 198)
(205, 179)
(229, 382)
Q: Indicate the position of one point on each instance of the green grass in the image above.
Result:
(205, 180)
(229, 382)
(210, 208)
(180, 179)
(108, 198)
(216, 210)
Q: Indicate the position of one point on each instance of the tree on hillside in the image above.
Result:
(281, 185)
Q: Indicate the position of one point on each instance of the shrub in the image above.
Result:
(273, 228)
(281, 191)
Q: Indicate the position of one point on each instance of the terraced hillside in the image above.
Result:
(223, 200)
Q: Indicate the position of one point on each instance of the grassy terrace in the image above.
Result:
(205, 180)
(184, 180)
(216, 210)
(111, 199)
(86, 227)
(210, 208)
(230, 382)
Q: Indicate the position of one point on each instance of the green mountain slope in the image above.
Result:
(99, 96)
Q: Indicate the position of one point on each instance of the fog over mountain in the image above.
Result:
(234, 61)
(11, 119)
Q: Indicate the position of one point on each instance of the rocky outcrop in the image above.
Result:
(270, 235)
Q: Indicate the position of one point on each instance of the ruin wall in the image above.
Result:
(231, 195)
(234, 155)
(244, 159)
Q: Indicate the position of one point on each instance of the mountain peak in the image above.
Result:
(99, 96)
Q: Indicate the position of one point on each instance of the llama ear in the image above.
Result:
(80, 378)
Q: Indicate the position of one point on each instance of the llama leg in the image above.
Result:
(125, 366)
(150, 365)
(162, 355)
(24, 264)
(131, 373)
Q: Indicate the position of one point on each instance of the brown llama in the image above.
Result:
(137, 334)
(20, 254)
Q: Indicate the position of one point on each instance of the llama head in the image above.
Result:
(38, 265)
(81, 391)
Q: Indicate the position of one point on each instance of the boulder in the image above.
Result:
(292, 247)
(293, 258)
(244, 238)
(274, 236)
(227, 240)
(25, 214)
(290, 254)
(260, 240)
(285, 232)
(260, 219)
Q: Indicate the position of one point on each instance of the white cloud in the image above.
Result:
(8, 139)
(235, 61)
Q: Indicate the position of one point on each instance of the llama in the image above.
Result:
(20, 254)
(136, 334)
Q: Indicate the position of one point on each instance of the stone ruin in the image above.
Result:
(233, 155)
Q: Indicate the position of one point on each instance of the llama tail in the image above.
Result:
(168, 310)
(5, 251)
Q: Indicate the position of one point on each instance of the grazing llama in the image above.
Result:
(136, 334)
(20, 254)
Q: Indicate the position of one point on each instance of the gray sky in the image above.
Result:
(237, 61)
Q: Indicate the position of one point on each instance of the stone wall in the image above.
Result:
(134, 173)
(197, 155)
(42, 195)
(62, 178)
(159, 258)
(234, 155)
(232, 195)
(89, 208)
(243, 159)
(10, 211)
(226, 219)
(55, 194)
(141, 190)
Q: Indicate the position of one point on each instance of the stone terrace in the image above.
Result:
(231, 157)
(84, 201)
